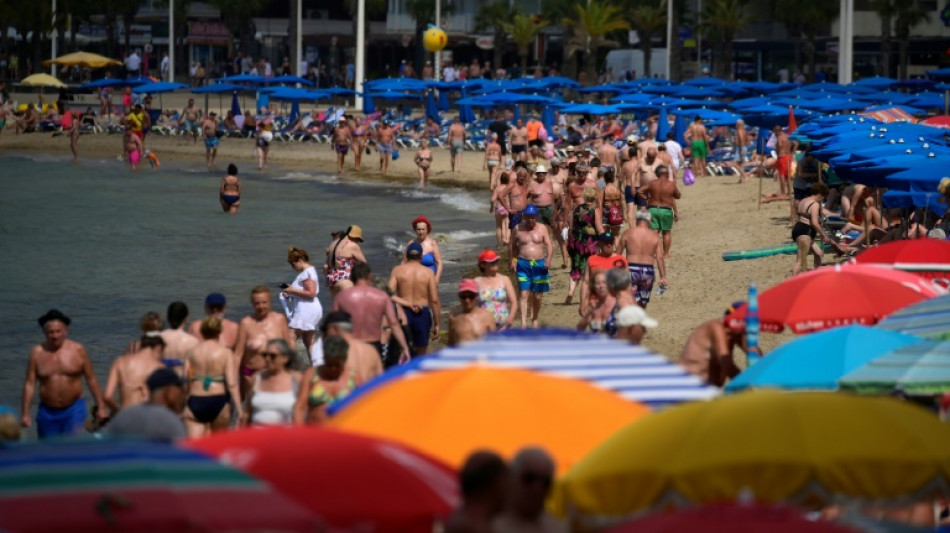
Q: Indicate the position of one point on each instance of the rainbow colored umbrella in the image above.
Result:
(134, 486)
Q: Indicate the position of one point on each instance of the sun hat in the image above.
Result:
(355, 232)
(468, 285)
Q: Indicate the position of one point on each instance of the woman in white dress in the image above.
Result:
(302, 306)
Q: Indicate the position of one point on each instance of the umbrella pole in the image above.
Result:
(759, 197)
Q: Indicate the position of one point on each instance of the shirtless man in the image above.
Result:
(209, 129)
(342, 138)
(630, 150)
(646, 172)
(698, 140)
(27, 123)
(215, 304)
(514, 198)
(492, 162)
(59, 364)
(254, 331)
(456, 140)
(661, 195)
(783, 165)
(558, 177)
(369, 306)
(177, 340)
(647, 143)
(485, 482)
(189, 119)
(129, 372)
(230, 191)
(414, 288)
(541, 194)
(742, 141)
(642, 246)
(364, 358)
(608, 155)
(384, 145)
(630, 180)
(470, 321)
(532, 472)
(708, 352)
(664, 158)
(531, 253)
(519, 141)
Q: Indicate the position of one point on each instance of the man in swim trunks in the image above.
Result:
(342, 138)
(59, 365)
(230, 191)
(209, 128)
(456, 140)
(369, 306)
(519, 141)
(189, 119)
(698, 140)
(707, 353)
(531, 253)
(384, 145)
(646, 172)
(514, 198)
(470, 321)
(533, 131)
(661, 195)
(642, 246)
(629, 177)
(783, 165)
(608, 154)
(414, 288)
(541, 194)
(215, 305)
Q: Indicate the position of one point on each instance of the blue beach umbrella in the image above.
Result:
(928, 100)
(369, 107)
(394, 95)
(294, 111)
(916, 200)
(159, 87)
(591, 109)
(290, 79)
(292, 93)
(680, 127)
(243, 78)
(431, 108)
(235, 106)
(663, 125)
(104, 82)
(917, 369)
(547, 118)
(633, 98)
(929, 319)
(444, 100)
(218, 88)
(818, 361)
(630, 371)
(705, 82)
(942, 74)
(877, 82)
(465, 112)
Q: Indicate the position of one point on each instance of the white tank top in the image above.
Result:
(272, 408)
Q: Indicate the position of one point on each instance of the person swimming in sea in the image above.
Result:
(230, 193)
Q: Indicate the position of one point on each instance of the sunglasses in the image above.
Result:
(531, 478)
(467, 296)
(271, 355)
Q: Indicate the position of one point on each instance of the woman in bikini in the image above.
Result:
(431, 255)
(342, 254)
(423, 162)
(326, 385)
(502, 231)
(496, 293)
(808, 226)
(358, 134)
(213, 385)
(493, 160)
(612, 205)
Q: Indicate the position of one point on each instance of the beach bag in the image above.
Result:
(614, 215)
(688, 177)
(395, 155)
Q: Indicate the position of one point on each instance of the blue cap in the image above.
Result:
(414, 250)
(531, 211)
(215, 298)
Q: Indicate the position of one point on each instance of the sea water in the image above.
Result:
(105, 245)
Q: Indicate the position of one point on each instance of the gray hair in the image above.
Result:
(284, 348)
(335, 348)
(617, 279)
(644, 215)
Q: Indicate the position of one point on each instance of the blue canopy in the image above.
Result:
(243, 78)
(292, 93)
(705, 82)
(915, 200)
(923, 176)
(632, 372)
(942, 74)
(663, 125)
(290, 79)
(432, 109)
(743, 103)
(218, 88)
(395, 84)
(915, 84)
(591, 109)
(877, 82)
(159, 87)
(679, 128)
(606, 88)
(905, 108)
(337, 91)
(633, 98)
(928, 100)
(394, 95)
(104, 82)
(465, 112)
(294, 111)
(235, 106)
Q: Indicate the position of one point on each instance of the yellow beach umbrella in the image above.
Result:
(42, 80)
(82, 59)
(451, 413)
(802, 447)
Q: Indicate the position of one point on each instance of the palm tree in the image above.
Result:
(805, 20)
(494, 16)
(908, 14)
(589, 29)
(648, 18)
(523, 30)
(722, 19)
(886, 9)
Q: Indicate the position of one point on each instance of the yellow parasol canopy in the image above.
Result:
(451, 413)
(82, 59)
(42, 80)
(803, 447)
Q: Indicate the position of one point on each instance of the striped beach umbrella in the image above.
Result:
(134, 486)
(929, 319)
(916, 369)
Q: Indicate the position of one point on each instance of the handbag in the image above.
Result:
(688, 177)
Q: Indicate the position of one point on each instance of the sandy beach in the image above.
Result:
(716, 215)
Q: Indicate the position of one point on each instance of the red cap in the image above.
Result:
(488, 256)
(419, 219)
(468, 285)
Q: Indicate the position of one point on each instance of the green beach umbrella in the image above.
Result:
(918, 369)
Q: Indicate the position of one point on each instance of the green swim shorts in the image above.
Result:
(698, 149)
(661, 218)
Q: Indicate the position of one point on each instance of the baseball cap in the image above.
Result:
(634, 315)
(468, 285)
(162, 378)
(531, 211)
(414, 250)
(540, 169)
(488, 256)
(215, 298)
(606, 237)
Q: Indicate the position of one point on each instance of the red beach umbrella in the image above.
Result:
(730, 518)
(929, 258)
(792, 123)
(837, 296)
(939, 121)
(355, 481)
